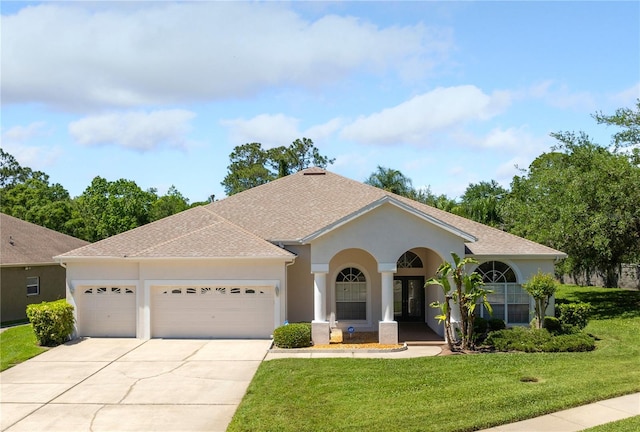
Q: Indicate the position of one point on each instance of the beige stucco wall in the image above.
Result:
(300, 285)
(13, 289)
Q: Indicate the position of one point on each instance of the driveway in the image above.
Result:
(130, 385)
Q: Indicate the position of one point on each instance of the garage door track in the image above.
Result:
(130, 385)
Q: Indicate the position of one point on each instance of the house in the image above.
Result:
(312, 246)
(28, 273)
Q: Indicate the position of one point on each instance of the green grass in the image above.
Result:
(632, 424)
(18, 344)
(451, 393)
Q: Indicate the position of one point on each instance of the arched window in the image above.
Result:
(409, 260)
(351, 295)
(508, 300)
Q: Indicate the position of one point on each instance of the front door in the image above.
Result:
(408, 298)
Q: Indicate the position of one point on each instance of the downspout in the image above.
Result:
(286, 285)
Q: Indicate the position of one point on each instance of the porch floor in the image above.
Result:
(416, 333)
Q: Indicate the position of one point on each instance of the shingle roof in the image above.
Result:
(194, 233)
(286, 210)
(24, 243)
(293, 207)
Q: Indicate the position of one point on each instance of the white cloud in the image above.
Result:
(23, 133)
(135, 130)
(126, 55)
(627, 97)
(415, 120)
(560, 96)
(271, 130)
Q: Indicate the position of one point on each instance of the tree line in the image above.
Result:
(582, 198)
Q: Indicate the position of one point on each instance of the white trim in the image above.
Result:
(319, 268)
(388, 267)
(388, 200)
(133, 259)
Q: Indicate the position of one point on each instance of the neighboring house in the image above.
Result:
(312, 246)
(28, 273)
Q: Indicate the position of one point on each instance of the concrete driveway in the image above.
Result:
(130, 385)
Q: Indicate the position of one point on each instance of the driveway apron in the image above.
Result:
(130, 385)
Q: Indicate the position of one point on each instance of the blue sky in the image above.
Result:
(449, 93)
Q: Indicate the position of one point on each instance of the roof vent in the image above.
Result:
(314, 171)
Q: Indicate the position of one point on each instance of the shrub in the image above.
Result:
(496, 324)
(552, 324)
(539, 340)
(480, 327)
(292, 336)
(52, 321)
(576, 314)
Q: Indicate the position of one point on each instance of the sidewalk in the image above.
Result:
(579, 418)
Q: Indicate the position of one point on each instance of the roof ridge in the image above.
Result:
(173, 239)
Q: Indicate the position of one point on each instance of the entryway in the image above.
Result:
(408, 298)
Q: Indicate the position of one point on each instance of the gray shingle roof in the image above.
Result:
(194, 233)
(286, 210)
(291, 208)
(26, 243)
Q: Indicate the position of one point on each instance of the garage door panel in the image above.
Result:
(107, 312)
(212, 312)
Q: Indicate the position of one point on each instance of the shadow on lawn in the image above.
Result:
(607, 303)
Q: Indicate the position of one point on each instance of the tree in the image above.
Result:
(628, 120)
(467, 293)
(12, 173)
(251, 165)
(109, 208)
(482, 202)
(581, 199)
(171, 203)
(391, 180)
(37, 201)
(541, 287)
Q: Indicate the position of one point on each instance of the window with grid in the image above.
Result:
(351, 295)
(508, 300)
(33, 285)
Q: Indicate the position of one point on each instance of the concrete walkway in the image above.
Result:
(579, 418)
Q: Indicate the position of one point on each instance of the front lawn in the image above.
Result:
(450, 393)
(18, 344)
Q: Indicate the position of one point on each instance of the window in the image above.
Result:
(33, 285)
(409, 260)
(351, 295)
(508, 300)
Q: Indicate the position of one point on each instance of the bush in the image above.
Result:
(52, 322)
(496, 324)
(576, 314)
(539, 340)
(292, 336)
(552, 324)
(480, 327)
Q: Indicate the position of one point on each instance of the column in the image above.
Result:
(387, 328)
(320, 331)
(387, 296)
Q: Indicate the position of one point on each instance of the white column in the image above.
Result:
(319, 296)
(386, 272)
(387, 296)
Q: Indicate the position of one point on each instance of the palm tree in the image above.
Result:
(390, 180)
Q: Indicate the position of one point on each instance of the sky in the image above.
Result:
(449, 93)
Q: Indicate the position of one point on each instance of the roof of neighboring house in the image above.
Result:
(193, 233)
(292, 209)
(25, 243)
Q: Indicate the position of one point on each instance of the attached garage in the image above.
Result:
(214, 311)
(107, 311)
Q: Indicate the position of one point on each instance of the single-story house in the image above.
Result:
(312, 246)
(28, 272)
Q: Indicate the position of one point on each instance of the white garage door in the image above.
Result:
(212, 312)
(107, 311)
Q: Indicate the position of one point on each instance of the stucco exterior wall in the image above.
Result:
(300, 285)
(13, 288)
(386, 233)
